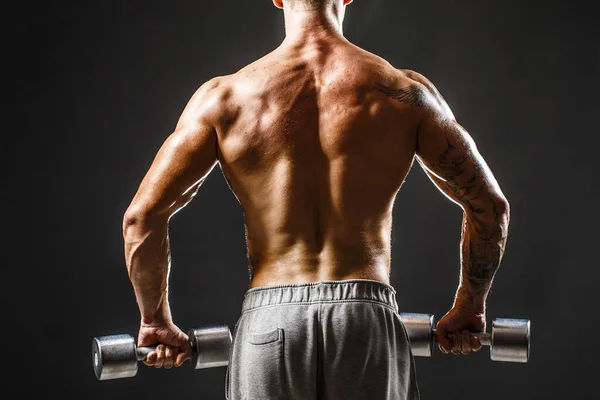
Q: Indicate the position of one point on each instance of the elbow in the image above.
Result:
(131, 219)
(500, 215)
(494, 211)
(136, 221)
(502, 207)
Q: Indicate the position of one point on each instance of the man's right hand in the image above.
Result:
(172, 348)
(454, 331)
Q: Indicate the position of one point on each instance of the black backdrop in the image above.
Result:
(99, 85)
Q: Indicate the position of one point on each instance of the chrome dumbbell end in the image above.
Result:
(211, 346)
(510, 340)
(112, 357)
(420, 333)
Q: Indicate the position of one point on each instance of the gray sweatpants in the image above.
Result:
(330, 340)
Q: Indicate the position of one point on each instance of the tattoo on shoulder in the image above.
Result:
(412, 95)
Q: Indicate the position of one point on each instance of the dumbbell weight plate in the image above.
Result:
(114, 357)
(418, 327)
(511, 340)
(211, 346)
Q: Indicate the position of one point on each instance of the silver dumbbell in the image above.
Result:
(509, 340)
(117, 356)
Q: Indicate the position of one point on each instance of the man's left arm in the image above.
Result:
(181, 165)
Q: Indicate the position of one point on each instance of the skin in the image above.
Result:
(315, 139)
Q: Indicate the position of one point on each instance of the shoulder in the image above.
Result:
(418, 79)
(415, 89)
(209, 101)
(214, 90)
(410, 82)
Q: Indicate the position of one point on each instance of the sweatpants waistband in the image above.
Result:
(321, 292)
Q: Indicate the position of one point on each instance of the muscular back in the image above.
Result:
(315, 141)
(315, 154)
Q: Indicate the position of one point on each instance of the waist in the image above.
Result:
(321, 292)
(300, 268)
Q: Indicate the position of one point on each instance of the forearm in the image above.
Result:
(483, 243)
(147, 256)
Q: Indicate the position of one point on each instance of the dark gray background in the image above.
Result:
(99, 85)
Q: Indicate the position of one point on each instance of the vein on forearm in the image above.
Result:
(147, 255)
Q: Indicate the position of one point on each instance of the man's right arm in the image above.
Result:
(450, 158)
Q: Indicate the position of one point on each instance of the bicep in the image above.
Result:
(181, 165)
(449, 156)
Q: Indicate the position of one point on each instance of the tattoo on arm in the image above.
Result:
(412, 95)
(482, 243)
(482, 252)
(450, 164)
(485, 227)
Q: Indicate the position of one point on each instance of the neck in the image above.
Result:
(307, 25)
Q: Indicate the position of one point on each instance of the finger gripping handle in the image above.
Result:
(485, 338)
(142, 352)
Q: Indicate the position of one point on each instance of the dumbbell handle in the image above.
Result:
(485, 338)
(142, 352)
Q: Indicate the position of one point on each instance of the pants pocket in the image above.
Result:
(262, 373)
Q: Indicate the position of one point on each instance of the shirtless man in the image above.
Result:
(315, 140)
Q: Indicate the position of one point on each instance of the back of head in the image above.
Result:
(309, 4)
